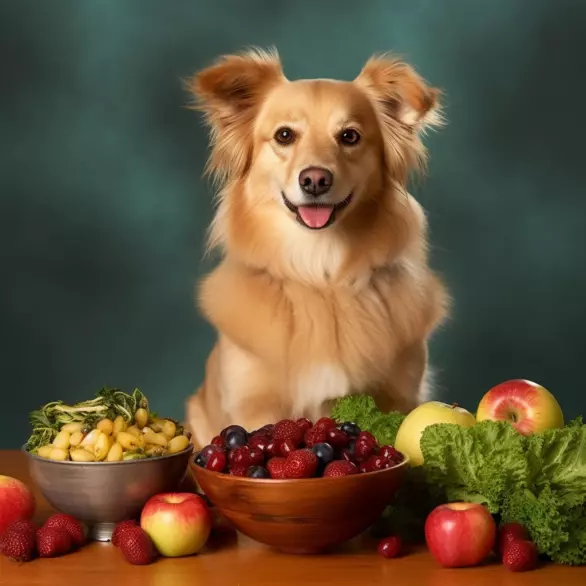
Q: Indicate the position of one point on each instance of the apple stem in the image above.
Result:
(454, 405)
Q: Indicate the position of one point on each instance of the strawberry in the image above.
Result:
(276, 467)
(287, 429)
(510, 532)
(259, 441)
(238, 470)
(53, 541)
(120, 529)
(324, 424)
(70, 525)
(18, 541)
(520, 555)
(390, 547)
(301, 464)
(340, 468)
(304, 424)
(314, 436)
(136, 546)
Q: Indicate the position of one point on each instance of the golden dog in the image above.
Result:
(324, 287)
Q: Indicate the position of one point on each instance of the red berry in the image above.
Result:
(368, 436)
(273, 449)
(217, 462)
(259, 441)
(287, 447)
(324, 424)
(390, 453)
(337, 438)
(314, 436)
(239, 470)
(120, 529)
(520, 555)
(69, 524)
(276, 467)
(52, 542)
(301, 464)
(363, 450)
(240, 457)
(288, 430)
(136, 546)
(256, 456)
(218, 441)
(17, 542)
(208, 450)
(510, 532)
(340, 468)
(304, 424)
(374, 463)
(390, 547)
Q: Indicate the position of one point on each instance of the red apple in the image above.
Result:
(528, 406)
(179, 523)
(17, 502)
(460, 534)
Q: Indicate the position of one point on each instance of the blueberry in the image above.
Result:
(200, 461)
(236, 438)
(232, 428)
(324, 452)
(258, 472)
(350, 428)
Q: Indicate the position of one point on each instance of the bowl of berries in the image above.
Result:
(296, 486)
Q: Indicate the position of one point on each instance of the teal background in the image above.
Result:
(103, 208)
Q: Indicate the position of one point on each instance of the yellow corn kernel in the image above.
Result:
(59, 454)
(44, 451)
(102, 447)
(119, 425)
(72, 427)
(133, 430)
(62, 440)
(169, 428)
(127, 440)
(141, 417)
(91, 438)
(106, 426)
(115, 453)
(178, 444)
(81, 455)
(76, 438)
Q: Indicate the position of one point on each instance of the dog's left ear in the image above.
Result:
(401, 93)
(230, 93)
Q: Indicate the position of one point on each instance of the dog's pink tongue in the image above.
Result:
(314, 216)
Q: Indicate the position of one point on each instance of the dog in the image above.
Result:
(324, 287)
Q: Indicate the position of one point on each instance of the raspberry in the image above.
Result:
(510, 532)
(340, 468)
(324, 424)
(288, 430)
(520, 555)
(390, 547)
(314, 436)
(276, 467)
(304, 424)
(301, 464)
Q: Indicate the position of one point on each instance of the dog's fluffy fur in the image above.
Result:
(306, 316)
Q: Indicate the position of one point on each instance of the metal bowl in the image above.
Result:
(101, 494)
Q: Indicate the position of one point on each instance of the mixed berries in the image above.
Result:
(297, 449)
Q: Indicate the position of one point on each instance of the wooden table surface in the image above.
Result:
(233, 560)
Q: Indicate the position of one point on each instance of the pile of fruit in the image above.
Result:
(297, 449)
(112, 427)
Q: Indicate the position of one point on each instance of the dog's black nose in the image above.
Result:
(315, 180)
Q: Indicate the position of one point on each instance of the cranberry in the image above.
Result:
(256, 456)
(273, 449)
(208, 451)
(218, 441)
(390, 547)
(287, 447)
(364, 449)
(337, 438)
(304, 424)
(217, 462)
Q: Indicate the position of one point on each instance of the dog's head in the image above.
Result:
(320, 154)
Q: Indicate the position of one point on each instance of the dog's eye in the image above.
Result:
(284, 135)
(349, 136)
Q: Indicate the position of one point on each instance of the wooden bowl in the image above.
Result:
(301, 516)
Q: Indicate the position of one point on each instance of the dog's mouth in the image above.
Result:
(317, 216)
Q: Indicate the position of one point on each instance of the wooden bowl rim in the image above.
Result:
(296, 481)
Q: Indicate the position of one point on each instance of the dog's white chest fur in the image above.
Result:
(317, 385)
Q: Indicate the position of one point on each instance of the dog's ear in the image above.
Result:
(401, 93)
(229, 93)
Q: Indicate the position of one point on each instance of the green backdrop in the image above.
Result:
(103, 208)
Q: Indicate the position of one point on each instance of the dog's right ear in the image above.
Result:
(229, 93)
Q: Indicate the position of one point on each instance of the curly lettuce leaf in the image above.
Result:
(478, 464)
(385, 427)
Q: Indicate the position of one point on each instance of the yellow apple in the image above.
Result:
(529, 407)
(429, 413)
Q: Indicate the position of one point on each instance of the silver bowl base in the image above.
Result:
(101, 532)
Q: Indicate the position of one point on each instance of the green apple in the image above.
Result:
(429, 413)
